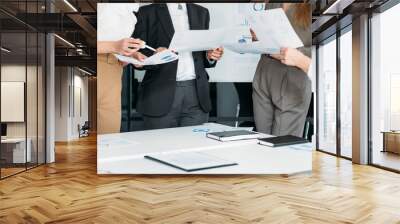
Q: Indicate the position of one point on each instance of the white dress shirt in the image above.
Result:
(115, 21)
(180, 20)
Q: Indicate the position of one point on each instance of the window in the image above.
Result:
(346, 75)
(385, 89)
(327, 96)
(22, 77)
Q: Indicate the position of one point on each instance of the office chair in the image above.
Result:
(84, 130)
(245, 106)
(309, 124)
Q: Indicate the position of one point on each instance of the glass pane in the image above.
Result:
(41, 98)
(13, 86)
(346, 94)
(327, 97)
(32, 86)
(32, 95)
(386, 89)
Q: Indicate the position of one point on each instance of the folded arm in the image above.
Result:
(294, 57)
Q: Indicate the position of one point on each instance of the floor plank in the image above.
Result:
(70, 191)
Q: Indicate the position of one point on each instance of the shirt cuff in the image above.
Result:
(211, 61)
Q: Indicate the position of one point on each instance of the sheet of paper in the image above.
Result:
(159, 58)
(274, 29)
(201, 40)
(256, 47)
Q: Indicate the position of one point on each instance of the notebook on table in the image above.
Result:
(190, 161)
(281, 141)
(233, 135)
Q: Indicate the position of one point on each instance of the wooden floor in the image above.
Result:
(70, 191)
(387, 159)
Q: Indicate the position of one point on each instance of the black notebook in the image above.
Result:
(282, 141)
(233, 135)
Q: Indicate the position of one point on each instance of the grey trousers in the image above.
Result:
(281, 98)
(185, 110)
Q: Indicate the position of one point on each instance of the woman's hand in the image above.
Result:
(140, 57)
(293, 57)
(128, 46)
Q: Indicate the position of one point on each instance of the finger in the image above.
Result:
(141, 57)
(217, 52)
(216, 55)
(277, 56)
(134, 46)
(216, 58)
(136, 41)
(130, 52)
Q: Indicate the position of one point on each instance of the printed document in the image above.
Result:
(256, 47)
(274, 29)
(158, 58)
(201, 40)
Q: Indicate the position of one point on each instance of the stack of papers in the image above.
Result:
(158, 58)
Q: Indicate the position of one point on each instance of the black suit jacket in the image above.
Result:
(155, 27)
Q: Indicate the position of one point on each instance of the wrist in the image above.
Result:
(304, 63)
(114, 47)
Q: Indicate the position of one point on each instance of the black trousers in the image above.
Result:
(185, 111)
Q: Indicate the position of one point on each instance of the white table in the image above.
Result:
(123, 153)
(18, 151)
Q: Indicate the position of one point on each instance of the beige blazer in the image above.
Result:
(109, 74)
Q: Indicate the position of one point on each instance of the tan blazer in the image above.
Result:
(109, 74)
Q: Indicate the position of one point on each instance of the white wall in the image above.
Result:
(17, 73)
(33, 126)
(71, 87)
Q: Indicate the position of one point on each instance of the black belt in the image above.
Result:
(186, 83)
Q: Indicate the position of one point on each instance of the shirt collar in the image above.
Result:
(175, 7)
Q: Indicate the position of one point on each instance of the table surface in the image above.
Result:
(123, 153)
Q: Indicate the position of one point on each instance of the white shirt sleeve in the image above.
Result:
(115, 21)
